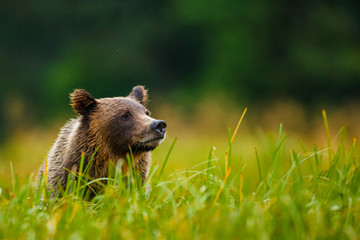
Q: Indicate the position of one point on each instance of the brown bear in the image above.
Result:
(108, 127)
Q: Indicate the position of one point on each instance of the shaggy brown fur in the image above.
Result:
(110, 125)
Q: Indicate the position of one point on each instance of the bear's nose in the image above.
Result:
(159, 126)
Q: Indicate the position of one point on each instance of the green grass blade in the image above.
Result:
(209, 167)
(327, 134)
(229, 148)
(296, 159)
(258, 164)
(167, 156)
(351, 155)
(316, 159)
(12, 177)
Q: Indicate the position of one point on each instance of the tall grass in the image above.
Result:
(298, 195)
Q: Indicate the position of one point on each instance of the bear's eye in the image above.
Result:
(147, 112)
(126, 116)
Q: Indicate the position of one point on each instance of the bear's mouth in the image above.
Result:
(148, 145)
(152, 140)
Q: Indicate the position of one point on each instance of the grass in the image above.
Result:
(307, 194)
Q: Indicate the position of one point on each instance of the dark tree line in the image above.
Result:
(253, 50)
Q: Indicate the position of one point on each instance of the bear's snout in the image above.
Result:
(159, 126)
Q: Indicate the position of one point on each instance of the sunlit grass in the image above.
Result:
(282, 189)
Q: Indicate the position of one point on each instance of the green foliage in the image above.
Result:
(252, 50)
(310, 199)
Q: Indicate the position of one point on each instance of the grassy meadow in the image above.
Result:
(275, 174)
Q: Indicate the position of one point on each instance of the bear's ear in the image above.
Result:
(139, 93)
(82, 101)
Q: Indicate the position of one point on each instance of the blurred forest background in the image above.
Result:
(202, 61)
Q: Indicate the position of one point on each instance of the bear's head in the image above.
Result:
(120, 122)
